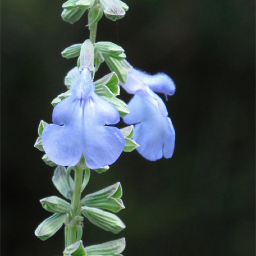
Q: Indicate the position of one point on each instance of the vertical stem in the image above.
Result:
(91, 17)
(75, 206)
(93, 31)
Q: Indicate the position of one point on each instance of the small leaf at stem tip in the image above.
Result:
(41, 127)
(72, 15)
(50, 226)
(105, 220)
(94, 16)
(38, 144)
(117, 66)
(48, 161)
(71, 51)
(76, 249)
(87, 55)
(108, 198)
(55, 204)
(128, 131)
(60, 97)
(119, 104)
(60, 182)
(102, 169)
(71, 77)
(112, 248)
(112, 9)
(130, 145)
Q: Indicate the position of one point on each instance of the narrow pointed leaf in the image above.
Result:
(38, 144)
(72, 15)
(55, 204)
(50, 226)
(108, 198)
(105, 220)
(71, 51)
(128, 131)
(60, 182)
(109, 48)
(48, 161)
(41, 127)
(112, 248)
(130, 145)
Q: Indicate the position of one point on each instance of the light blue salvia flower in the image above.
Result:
(79, 128)
(153, 131)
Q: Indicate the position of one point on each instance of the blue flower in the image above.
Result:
(153, 130)
(79, 128)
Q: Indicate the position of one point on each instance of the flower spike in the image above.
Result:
(79, 128)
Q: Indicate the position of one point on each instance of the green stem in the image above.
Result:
(93, 27)
(75, 206)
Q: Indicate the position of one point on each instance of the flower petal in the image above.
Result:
(159, 82)
(153, 132)
(78, 128)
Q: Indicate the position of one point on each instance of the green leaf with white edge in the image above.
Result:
(41, 127)
(130, 145)
(119, 104)
(70, 4)
(112, 9)
(60, 182)
(110, 81)
(87, 55)
(124, 5)
(71, 51)
(50, 226)
(108, 198)
(60, 97)
(102, 169)
(72, 15)
(105, 220)
(94, 16)
(118, 67)
(85, 4)
(38, 144)
(109, 48)
(76, 249)
(103, 91)
(128, 131)
(48, 161)
(112, 248)
(71, 77)
(55, 204)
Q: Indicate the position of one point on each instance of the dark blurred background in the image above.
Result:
(199, 202)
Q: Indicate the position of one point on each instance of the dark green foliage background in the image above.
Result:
(200, 202)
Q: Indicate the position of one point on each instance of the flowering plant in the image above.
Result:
(82, 137)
